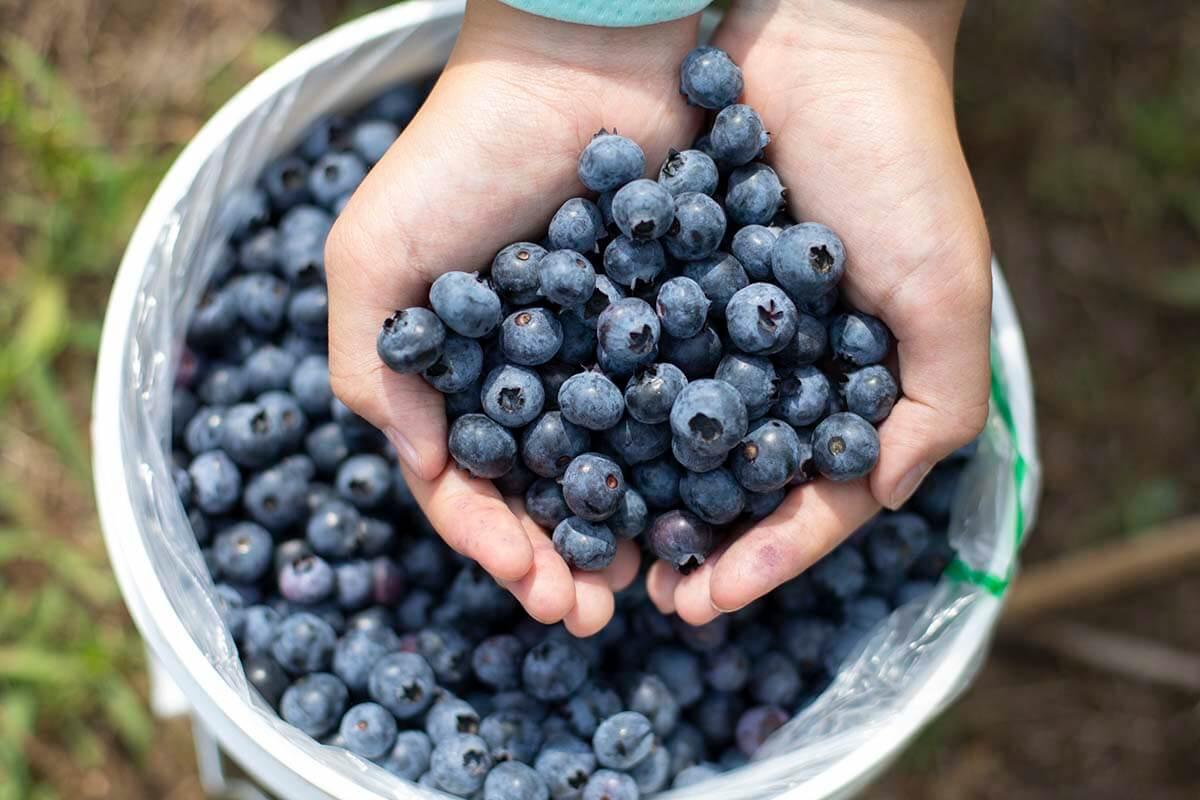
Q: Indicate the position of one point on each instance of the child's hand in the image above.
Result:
(857, 97)
(486, 162)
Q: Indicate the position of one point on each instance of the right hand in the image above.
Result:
(487, 161)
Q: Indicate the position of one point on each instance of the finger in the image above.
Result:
(547, 591)
(661, 581)
(693, 594)
(473, 519)
(624, 568)
(944, 369)
(594, 604)
(812, 521)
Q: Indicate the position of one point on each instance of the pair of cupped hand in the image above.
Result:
(857, 96)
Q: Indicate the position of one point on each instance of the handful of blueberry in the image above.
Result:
(365, 631)
(671, 358)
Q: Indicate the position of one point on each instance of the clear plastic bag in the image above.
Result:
(907, 671)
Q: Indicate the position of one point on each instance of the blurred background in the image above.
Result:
(1080, 121)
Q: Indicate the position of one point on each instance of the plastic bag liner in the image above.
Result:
(906, 672)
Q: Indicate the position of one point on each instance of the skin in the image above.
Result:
(857, 96)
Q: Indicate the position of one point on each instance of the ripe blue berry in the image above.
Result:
(306, 580)
(682, 307)
(513, 396)
(411, 340)
(859, 339)
(631, 517)
(623, 740)
(630, 262)
(709, 416)
(610, 161)
(545, 504)
(465, 303)
(708, 78)
(409, 757)
(531, 336)
(698, 228)
(304, 644)
(403, 683)
(804, 394)
(636, 442)
(553, 670)
(372, 138)
(752, 246)
(761, 319)
(368, 730)
(756, 725)
(738, 135)
(754, 195)
(593, 486)
(512, 780)
(515, 271)
(216, 482)
(577, 225)
(334, 175)
(658, 482)
(681, 539)
(588, 546)
(243, 552)
(845, 447)
(643, 209)
(870, 392)
(460, 764)
(591, 400)
(720, 276)
(754, 379)
(364, 480)
(551, 442)
(607, 784)
(768, 458)
(689, 171)
(808, 261)
(628, 332)
(497, 661)
(481, 446)
(652, 390)
(808, 345)
(315, 703)
(713, 496)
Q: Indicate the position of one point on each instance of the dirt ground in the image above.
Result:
(1080, 121)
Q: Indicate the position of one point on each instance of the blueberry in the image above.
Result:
(333, 175)
(698, 229)
(243, 552)
(304, 644)
(630, 262)
(593, 486)
(215, 314)
(368, 730)
(870, 393)
(756, 725)
(565, 765)
(896, 541)
(512, 780)
(738, 135)
(775, 680)
(865, 612)
(465, 303)
(681, 539)
(259, 629)
(403, 683)
(681, 670)
(841, 645)
(371, 138)
(497, 661)
(682, 307)
(224, 385)
(243, 212)
(913, 592)
(610, 161)
(934, 498)
(553, 670)
(652, 390)
(808, 260)
(460, 763)
(690, 458)
(286, 182)
(511, 735)
(709, 416)
(654, 772)
(267, 677)
(309, 384)
(623, 740)
(761, 319)
(355, 656)
(636, 442)
(696, 356)
(579, 339)
(326, 446)
(689, 171)
(513, 396)
(845, 447)
(606, 294)
(643, 209)
(694, 774)
(587, 546)
(859, 339)
(216, 482)
(752, 246)
(458, 367)
(658, 482)
(607, 784)
(708, 78)
(768, 458)
(447, 651)
(332, 530)
(515, 272)
(259, 252)
(591, 400)
(648, 695)
(589, 706)
(805, 639)
(840, 575)
(409, 757)
(760, 505)
(354, 584)
(808, 345)
(531, 336)
(398, 104)
(754, 195)
(411, 340)
(545, 504)
(577, 226)
(481, 446)
(720, 277)
(727, 669)
(628, 332)
(329, 131)
(364, 480)
(804, 394)
(754, 379)
(315, 703)
(551, 442)
(713, 496)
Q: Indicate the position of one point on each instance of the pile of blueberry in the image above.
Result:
(671, 358)
(366, 632)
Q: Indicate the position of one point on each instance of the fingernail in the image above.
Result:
(720, 610)
(404, 449)
(908, 484)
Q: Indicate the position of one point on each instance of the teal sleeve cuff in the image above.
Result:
(611, 13)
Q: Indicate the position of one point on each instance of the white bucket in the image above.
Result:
(910, 669)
